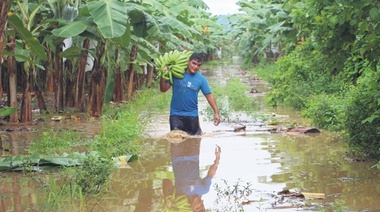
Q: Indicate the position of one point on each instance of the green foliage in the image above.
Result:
(94, 174)
(362, 118)
(122, 126)
(27, 37)
(61, 196)
(325, 111)
(6, 111)
(236, 92)
(297, 76)
(118, 133)
(219, 94)
(231, 97)
(262, 30)
(52, 141)
(265, 69)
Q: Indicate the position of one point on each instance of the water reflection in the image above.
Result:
(13, 143)
(16, 193)
(185, 194)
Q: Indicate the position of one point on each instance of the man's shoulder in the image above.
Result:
(200, 75)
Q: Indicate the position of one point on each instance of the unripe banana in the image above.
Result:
(176, 61)
(170, 77)
(178, 69)
(177, 75)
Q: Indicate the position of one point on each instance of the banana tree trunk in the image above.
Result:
(118, 89)
(138, 81)
(69, 97)
(40, 98)
(3, 26)
(97, 84)
(149, 76)
(12, 70)
(26, 105)
(59, 105)
(131, 73)
(80, 82)
(1, 84)
(49, 74)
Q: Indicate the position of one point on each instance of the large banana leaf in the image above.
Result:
(110, 16)
(176, 26)
(32, 42)
(71, 29)
(37, 162)
(125, 39)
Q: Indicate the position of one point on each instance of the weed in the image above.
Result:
(231, 197)
(7, 111)
(52, 141)
(231, 97)
(122, 126)
(63, 194)
(94, 174)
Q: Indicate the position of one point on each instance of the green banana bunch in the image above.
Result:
(177, 203)
(176, 62)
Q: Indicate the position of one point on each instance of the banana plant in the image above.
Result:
(266, 25)
(111, 23)
(31, 51)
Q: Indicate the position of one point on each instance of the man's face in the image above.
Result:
(194, 66)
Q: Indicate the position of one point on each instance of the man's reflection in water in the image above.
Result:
(185, 161)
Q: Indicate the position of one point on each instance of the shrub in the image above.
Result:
(325, 111)
(362, 118)
(94, 174)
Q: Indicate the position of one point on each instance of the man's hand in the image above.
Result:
(212, 171)
(164, 86)
(216, 119)
(218, 150)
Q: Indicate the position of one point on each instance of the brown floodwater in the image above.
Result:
(261, 168)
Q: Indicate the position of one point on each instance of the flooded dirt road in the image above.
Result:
(254, 169)
(258, 170)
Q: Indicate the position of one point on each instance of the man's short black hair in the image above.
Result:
(196, 56)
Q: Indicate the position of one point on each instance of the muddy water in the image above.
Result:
(254, 167)
(16, 138)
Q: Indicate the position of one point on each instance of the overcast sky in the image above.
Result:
(222, 7)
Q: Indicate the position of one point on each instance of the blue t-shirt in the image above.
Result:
(185, 94)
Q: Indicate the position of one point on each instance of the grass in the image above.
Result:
(121, 128)
(232, 97)
(53, 141)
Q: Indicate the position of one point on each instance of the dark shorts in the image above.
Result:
(189, 124)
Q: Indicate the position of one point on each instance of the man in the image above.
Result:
(184, 103)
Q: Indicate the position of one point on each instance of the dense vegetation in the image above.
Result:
(321, 57)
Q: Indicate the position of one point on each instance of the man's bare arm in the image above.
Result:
(211, 100)
(164, 86)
